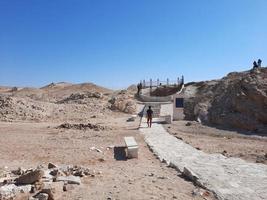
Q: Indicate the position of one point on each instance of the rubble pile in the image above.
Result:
(41, 183)
(95, 127)
(81, 98)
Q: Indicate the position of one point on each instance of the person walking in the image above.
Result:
(149, 115)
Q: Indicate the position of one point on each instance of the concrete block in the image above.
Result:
(132, 152)
(132, 147)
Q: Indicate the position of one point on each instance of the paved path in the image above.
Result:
(227, 178)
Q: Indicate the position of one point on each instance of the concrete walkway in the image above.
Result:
(227, 178)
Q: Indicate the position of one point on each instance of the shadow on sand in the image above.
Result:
(120, 153)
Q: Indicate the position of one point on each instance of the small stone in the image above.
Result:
(42, 196)
(260, 159)
(33, 189)
(18, 171)
(65, 188)
(101, 159)
(151, 174)
(51, 166)
(188, 124)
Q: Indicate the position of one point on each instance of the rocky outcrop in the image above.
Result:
(238, 100)
(124, 102)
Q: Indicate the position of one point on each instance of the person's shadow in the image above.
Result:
(120, 153)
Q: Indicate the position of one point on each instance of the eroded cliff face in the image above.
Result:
(238, 100)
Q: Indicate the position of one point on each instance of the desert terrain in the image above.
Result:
(81, 128)
(84, 126)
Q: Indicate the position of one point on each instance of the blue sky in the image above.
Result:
(115, 43)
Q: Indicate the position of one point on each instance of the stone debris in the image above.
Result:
(95, 127)
(8, 192)
(41, 196)
(70, 179)
(79, 97)
(96, 149)
(30, 178)
(131, 119)
(51, 165)
(42, 183)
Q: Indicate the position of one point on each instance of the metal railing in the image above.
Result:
(149, 84)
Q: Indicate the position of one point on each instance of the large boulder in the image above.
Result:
(30, 178)
(123, 102)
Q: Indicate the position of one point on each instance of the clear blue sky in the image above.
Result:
(115, 43)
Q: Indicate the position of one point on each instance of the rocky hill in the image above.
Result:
(62, 101)
(238, 100)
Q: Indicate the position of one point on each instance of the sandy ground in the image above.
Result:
(30, 144)
(213, 140)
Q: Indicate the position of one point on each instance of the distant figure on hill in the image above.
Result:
(182, 81)
(259, 62)
(139, 87)
(255, 65)
(149, 114)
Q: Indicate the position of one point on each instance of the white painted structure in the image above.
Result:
(178, 105)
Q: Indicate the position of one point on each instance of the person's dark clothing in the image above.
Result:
(139, 88)
(255, 65)
(149, 113)
(259, 62)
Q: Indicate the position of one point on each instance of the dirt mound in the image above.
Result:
(238, 100)
(95, 127)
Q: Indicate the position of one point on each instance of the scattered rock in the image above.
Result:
(179, 138)
(224, 152)
(261, 159)
(51, 166)
(24, 189)
(42, 196)
(95, 149)
(8, 192)
(18, 171)
(95, 127)
(81, 97)
(188, 124)
(131, 119)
